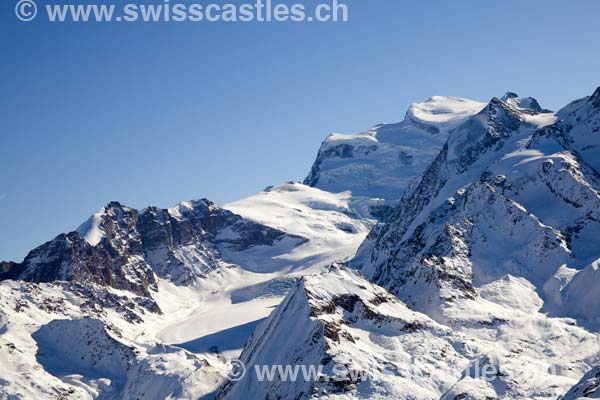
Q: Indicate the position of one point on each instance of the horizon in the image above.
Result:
(156, 114)
(140, 207)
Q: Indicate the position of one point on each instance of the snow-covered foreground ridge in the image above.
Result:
(488, 348)
(482, 281)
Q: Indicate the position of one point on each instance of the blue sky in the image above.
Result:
(153, 114)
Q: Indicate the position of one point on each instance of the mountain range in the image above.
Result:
(453, 255)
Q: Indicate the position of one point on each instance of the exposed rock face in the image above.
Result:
(579, 129)
(127, 249)
(587, 388)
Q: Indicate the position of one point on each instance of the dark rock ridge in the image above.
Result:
(587, 388)
(485, 132)
(128, 249)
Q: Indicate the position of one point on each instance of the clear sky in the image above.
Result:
(154, 114)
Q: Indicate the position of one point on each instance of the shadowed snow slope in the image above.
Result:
(587, 388)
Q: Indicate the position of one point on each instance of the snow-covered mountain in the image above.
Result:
(153, 303)
(483, 283)
(381, 161)
(508, 194)
(67, 341)
(128, 249)
(334, 224)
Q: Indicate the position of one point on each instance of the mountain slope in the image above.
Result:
(334, 224)
(581, 128)
(587, 388)
(59, 341)
(350, 339)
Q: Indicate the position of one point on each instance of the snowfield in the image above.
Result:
(334, 224)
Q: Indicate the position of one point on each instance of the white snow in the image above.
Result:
(90, 230)
(333, 223)
(445, 110)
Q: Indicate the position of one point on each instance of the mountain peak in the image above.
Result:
(496, 102)
(510, 95)
(116, 209)
(501, 106)
(113, 204)
(595, 99)
(200, 206)
(442, 110)
(524, 103)
(91, 230)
